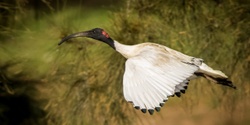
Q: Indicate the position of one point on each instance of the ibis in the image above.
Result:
(154, 72)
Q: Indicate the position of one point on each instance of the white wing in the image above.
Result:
(151, 77)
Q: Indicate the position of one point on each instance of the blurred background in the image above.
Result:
(80, 82)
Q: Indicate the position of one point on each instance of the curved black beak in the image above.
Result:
(80, 34)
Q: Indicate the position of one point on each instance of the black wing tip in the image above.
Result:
(178, 94)
(137, 107)
(151, 111)
(143, 110)
(183, 91)
(161, 104)
(158, 109)
(185, 87)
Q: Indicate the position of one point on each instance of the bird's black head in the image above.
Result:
(96, 33)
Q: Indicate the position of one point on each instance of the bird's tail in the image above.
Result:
(214, 75)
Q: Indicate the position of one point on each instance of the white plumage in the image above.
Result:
(155, 72)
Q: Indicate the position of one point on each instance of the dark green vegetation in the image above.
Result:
(80, 82)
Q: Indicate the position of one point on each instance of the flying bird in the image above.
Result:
(154, 72)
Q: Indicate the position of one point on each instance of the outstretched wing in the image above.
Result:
(150, 78)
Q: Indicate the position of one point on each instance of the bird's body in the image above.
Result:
(154, 72)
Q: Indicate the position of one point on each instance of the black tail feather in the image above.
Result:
(225, 82)
(222, 81)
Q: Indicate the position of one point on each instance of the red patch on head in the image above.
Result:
(105, 34)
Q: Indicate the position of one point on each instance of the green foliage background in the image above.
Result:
(81, 82)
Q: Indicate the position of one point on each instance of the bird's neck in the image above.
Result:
(109, 41)
(126, 50)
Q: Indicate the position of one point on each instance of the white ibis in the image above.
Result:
(154, 72)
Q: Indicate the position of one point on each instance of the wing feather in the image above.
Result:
(155, 99)
(148, 83)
